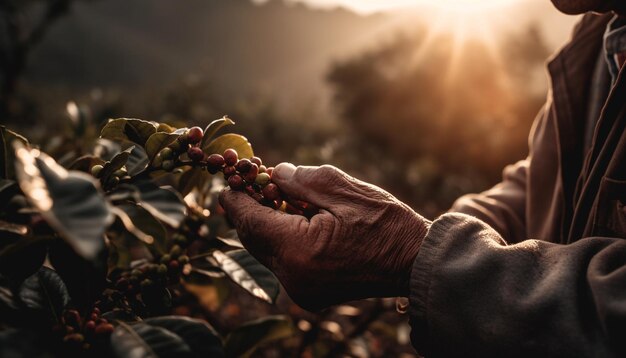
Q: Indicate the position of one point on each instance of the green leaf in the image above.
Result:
(7, 154)
(135, 130)
(137, 162)
(71, 202)
(163, 202)
(213, 127)
(243, 340)
(148, 224)
(234, 141)
(142, 340)
(248, 273)
(117, 162)
(203, 340)
(193, 178)
(85, 163)
(44, 294)
(158, 141)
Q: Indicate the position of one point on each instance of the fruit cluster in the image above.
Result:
(187, 143)
(113, 179)
(81, 333)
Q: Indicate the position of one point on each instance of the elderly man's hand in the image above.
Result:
(361, 244)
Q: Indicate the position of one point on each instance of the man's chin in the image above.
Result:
(577, 7)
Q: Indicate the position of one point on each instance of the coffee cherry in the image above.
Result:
(229, 171)
(271, 192)
(183, 259)
(230, 157)
(166, 258)
(168, 165)
(269, 171)
(120, 172)
(235, 182)
(256, 160)
(174, 265)
(175, 251)
(162, 270)
(104, 329)
(262, 179)
(93, 317)
(262, 168)
(90, 325)
(136, 273)
(71, 317)
(146, 283)
(195, 135)
(157, 162)
(74, 338)
(96, 169)
(243, 165)
(215, 163)
(167, 153)
(196, 154)
(96, 310)
(113, 180)
(250, 177)
(250, 189)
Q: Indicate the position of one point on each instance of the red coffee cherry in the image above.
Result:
(235, 182)
(196, 154)
(194, 135)
(104, 329)
(229, 171)
(230, 157)
(256, 160)
(271, 192)
(243, 165)
(215, 160)
(252, 173)
(90, 326)
(269, 171)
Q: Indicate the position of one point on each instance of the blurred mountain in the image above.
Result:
(237, 44)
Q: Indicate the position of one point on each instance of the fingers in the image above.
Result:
(314, 185)
(261, 229)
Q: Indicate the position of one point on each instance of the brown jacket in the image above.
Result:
(536, 266)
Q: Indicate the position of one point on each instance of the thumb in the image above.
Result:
(308, 183)
(260, 229)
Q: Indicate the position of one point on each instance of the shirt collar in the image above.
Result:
(615, 43)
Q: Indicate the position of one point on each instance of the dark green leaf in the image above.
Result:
(164, 203)
(158, 141)
(203, 340)
(193, 178)
(44, 294)
(141, 340)
(148, 224)
(85, 163)
(234, 141)
(213, 127)
(137, 162)
(248, 273)
(242, 341)
(7, 154)
(118, 161)
(135, 130)
(70, 202)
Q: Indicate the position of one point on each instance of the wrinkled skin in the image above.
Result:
(575, 7)
(361, 244)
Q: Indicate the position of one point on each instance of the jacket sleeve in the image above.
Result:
(503, 207)
(474, 295)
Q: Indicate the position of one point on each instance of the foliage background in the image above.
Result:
(382, 96)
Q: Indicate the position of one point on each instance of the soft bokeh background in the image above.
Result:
(428, 99)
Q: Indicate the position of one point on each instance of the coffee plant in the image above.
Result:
(97, 253)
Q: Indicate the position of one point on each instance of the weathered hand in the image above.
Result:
(361, 244)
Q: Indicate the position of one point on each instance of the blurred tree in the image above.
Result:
(23, 24)
(444, 119)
